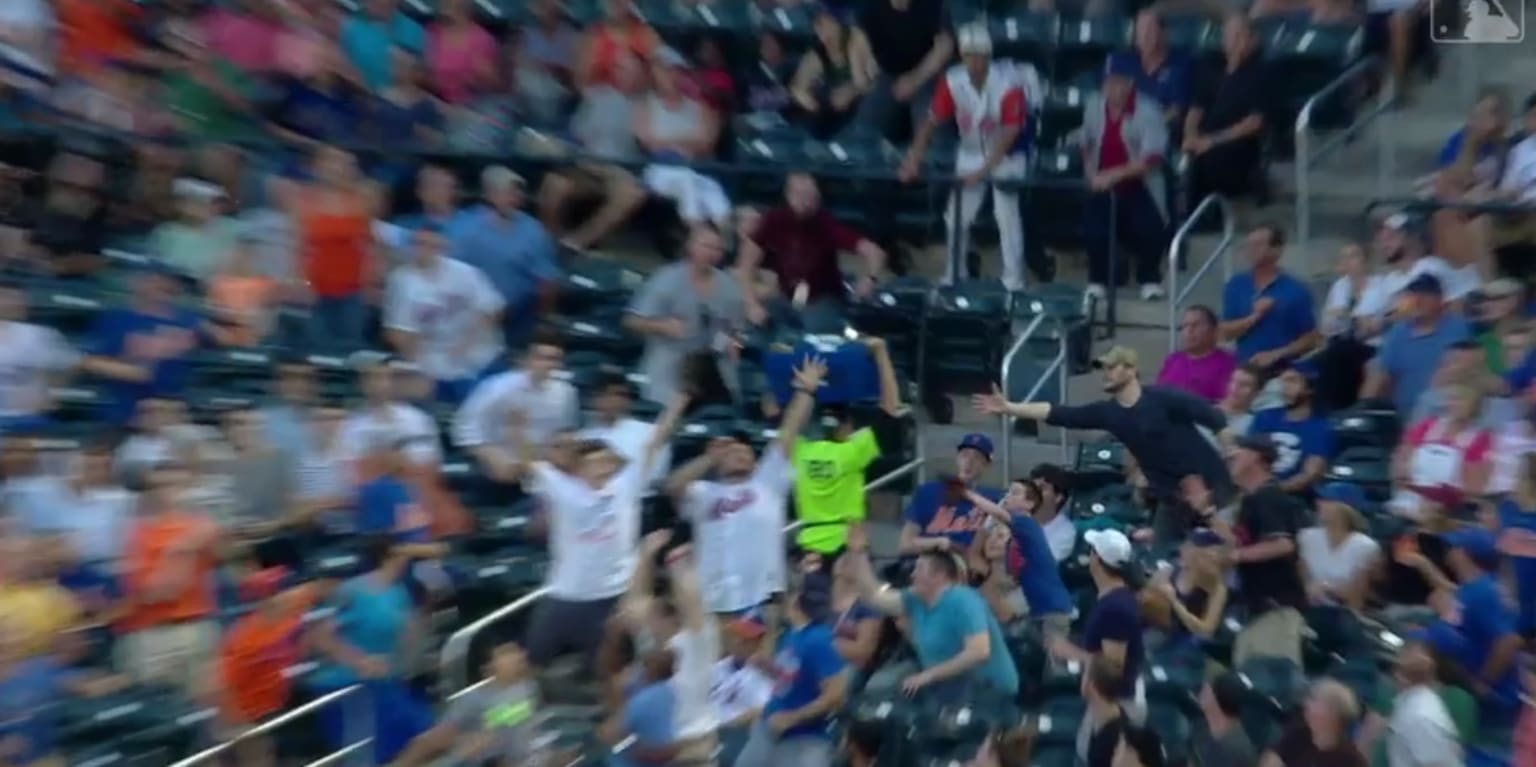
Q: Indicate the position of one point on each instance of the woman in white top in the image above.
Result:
(1358, 301)
(1338, 556)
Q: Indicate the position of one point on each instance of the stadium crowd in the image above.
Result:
(323, 388)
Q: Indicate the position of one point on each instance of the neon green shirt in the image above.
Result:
(829, 488)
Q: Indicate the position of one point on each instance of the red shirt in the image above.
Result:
(804, 249)
(1113, 151)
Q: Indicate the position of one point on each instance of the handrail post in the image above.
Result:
(1007, 376)
(1302, 131)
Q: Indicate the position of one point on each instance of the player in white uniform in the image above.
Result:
(738, 517)
(990, 103)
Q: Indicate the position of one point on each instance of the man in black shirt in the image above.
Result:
(1263, 541)
(910, 42)
(1224, 130)
(1159, 426)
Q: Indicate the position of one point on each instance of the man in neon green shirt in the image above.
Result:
(829, 473)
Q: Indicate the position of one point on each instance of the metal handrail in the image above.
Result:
(1176, 295)
(1057, 367)
(272, 725)
(1306, 156)
(457, 646)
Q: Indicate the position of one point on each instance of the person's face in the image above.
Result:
(613, 401)
(96, 466)
(1259, 248)
(13, 304)
(996, 544)
(1117, 89)
(619, 10)
(1236, 36)
(598, 466)
(326, 422)
(705, 247)
(436, 188)
(296, 383)
(167, 482)
(1489, 117)
(1294, 388)
(1117, 377)
(1499, 307)
(828, 29)
(543, 359)
(429, 247)
(244, 427)
(505, 197)
(154, 414)
(976, 64)
(376, 383)
(509, 662)
(802, 195)
(335, 166)
(1317, 714)
(1390, 243)
(1195, 331)
(1421, 305)
(970, 464)
(925, 578)
(737, 460)
(770, 50)
(1458, 361)
(1242, 387)
(742, 647)
(1462, 405)
(1332, 514)
(157, 288)
(1352, 261)
(1149, 32)
(1048, 494)
(1241, 461)
(1019, 499)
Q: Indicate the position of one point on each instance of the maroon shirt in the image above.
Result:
(804, 249)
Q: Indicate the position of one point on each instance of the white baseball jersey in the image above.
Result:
(1003, 101)
(738, 533)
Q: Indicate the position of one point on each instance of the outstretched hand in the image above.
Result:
(657, 541)
(811, 374)
(991, 403)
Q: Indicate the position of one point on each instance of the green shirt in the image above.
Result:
(206, 114)
(196, 250)
(1493, 351)
(829, 488)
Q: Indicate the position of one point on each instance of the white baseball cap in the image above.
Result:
(974, 39)
(1113, 548)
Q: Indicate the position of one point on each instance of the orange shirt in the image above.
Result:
(161, 546)
(257, 650)
(93, 32)
(246, 298)
(336, 247)
(611, 43)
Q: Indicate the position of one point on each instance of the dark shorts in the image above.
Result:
(561, 626)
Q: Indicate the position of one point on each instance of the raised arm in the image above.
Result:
(661, 434)
(808, 379)
(687, 594)
(994, 403)
(890, 387)
(871, 591)
(694, 470)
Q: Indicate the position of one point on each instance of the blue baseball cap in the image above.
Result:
(1480, 544)
(1425, 284)
(978, 442)
(1352, 496)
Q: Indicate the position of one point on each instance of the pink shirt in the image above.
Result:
(1205, 377)
(456, 58)
(248, 42)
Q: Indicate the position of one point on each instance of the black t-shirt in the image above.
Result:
(1116, 617)
(1266, 514)
(66, 233)
(901, 39)
(1161, 432)
(1102, 742)
(1227, 98)
(1406, 585)
(1296, 749)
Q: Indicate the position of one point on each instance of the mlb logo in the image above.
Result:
(1477, 21)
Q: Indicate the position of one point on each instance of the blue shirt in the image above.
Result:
(370, 617)
(1450, 152)
(369, 45)
(1410, 356)
(1485, 620)
(517, 255)
(396, 125)
(1517, 542)
(648, 716)
(1291, 317)
(936, 514)
(316, 114)
(1116, 617)
(163, 343)
(25, 716)
(1168, 84)
(1038, 576)
(1295, 441)
(939, 633)
(385, 505)
(806, 660)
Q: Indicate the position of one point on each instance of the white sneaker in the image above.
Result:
(1152, 292)
(1096, 291)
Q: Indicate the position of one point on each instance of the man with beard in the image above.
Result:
(1303, 437)
(1157, 425)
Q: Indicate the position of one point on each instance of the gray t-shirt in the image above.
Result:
(1231, 749)
(508, 713)
(261, 485)
(604, 123)
(670, 293)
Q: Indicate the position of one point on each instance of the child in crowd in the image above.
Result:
(258, 653)
(242, 299)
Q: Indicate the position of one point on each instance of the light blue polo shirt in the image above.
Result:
(1292, 316)
(516, 254)
(1410, 355)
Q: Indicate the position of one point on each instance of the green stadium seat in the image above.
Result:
(1309, 57)
(1062, 714)
(70, 309)
(1056, 206)
(1369, 467)
(720, 17)
(1194, 35)
(1107, 454)
(963, 327)
(1062, 113)
(75, 404)
(1173, 726)
(1025, 36)
(1364, 425)
(667, 17)
(1276, 687)
(794, 22)
(594, 286)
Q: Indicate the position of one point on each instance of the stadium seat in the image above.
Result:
(1369, 467)
(1025, 36)
(1085, 43)
(964, 324)
(793, 22)
(1276, 686)
(597, 286)
(602, 334)
(1366, 425)
(1108, 455)
(719, 18)
(1056, 202)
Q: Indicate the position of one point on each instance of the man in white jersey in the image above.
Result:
(547, 404)
(591, 499)
(31, 357)
(738, 518)
(989, 102)
(444, 315)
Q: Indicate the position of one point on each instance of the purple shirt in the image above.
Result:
(1204, 377)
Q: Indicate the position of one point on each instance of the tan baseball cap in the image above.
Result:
(1118, 355)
